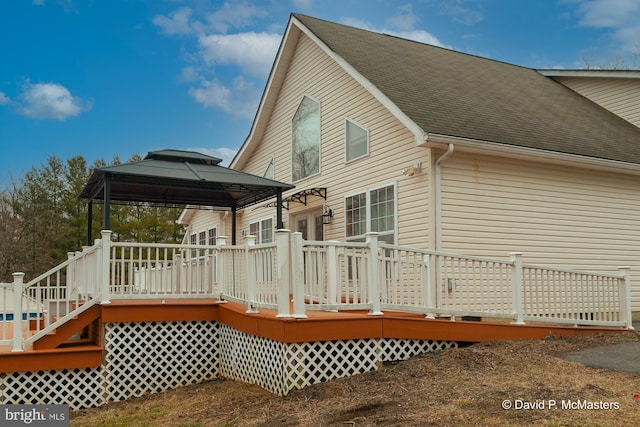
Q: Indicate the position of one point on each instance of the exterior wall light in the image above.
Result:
(413, 169)
(327, 214)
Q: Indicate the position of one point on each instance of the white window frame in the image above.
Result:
(193, 240)
(346, 141)
(210, 241)
(258, 235)
(367, 191)
(319, 138)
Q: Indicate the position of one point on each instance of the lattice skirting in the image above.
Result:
(281, 368)
(150, 357)
(140, 358)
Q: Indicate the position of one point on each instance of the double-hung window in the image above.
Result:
(263, 230)
(371, 210)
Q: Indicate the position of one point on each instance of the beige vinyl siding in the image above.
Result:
(620, 96)
(555, 215)
(204, 219)
(391, 147)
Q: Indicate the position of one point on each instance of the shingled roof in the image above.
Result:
(455, 94)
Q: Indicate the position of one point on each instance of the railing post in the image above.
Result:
(71, 277)
(177, 274)
(221, 267)
(625, 296)
(374, 276)
(332, 273)
(297, 276)
(430, 291)
(516, 277)
(105, 295)
(283, 272)
(18, 282)
(250, 274)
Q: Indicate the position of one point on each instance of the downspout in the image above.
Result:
(438, 196)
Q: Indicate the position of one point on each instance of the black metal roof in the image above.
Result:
(181, 177)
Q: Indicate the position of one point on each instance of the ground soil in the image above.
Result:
(459, 387)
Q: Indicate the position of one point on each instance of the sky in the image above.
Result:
(106, 78)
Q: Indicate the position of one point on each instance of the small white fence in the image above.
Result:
(317, 275)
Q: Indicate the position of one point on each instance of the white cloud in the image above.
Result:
(224, 153)
(241, 99)
(253, 52)
(417, 35)
(178, 23)
(233, 15)
(4, 99)
(190, 74)
(621, 16)
(405, 19)
(302, 4)
(461, 12)
(50, 101)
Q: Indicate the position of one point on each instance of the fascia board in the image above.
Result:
(611, 74)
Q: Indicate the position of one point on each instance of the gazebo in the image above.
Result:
(176, 177)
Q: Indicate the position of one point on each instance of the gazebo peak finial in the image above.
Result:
(182, 156)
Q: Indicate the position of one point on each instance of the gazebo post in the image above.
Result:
(279, 222)
(233, 225)
(107, 202)
(89, 221)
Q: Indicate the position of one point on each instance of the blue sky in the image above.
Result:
(98, 78)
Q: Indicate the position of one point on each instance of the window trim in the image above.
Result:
(319, 138)
(367, 191)
(346, 142)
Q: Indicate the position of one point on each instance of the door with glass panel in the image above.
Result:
(310, 225)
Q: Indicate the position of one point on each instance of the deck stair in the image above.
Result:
(80, 330)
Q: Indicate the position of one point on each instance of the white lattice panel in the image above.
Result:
(79, 388)
(251, 359)
(315, 362)
(150, 357)
(394, 349)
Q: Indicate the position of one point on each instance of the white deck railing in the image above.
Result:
(28, 311)
(318, 275)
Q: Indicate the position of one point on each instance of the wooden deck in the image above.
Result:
(318, 326)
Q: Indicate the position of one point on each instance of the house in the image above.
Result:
(444, 150)
(428, 148)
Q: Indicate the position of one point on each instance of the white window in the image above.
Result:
(305, 140)
(202, 240)
(193, 240)
(371, 210)
(270, 172)
(263, 230)
(357, 141)
(212, 235)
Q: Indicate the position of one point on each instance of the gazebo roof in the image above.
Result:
(181, 177)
